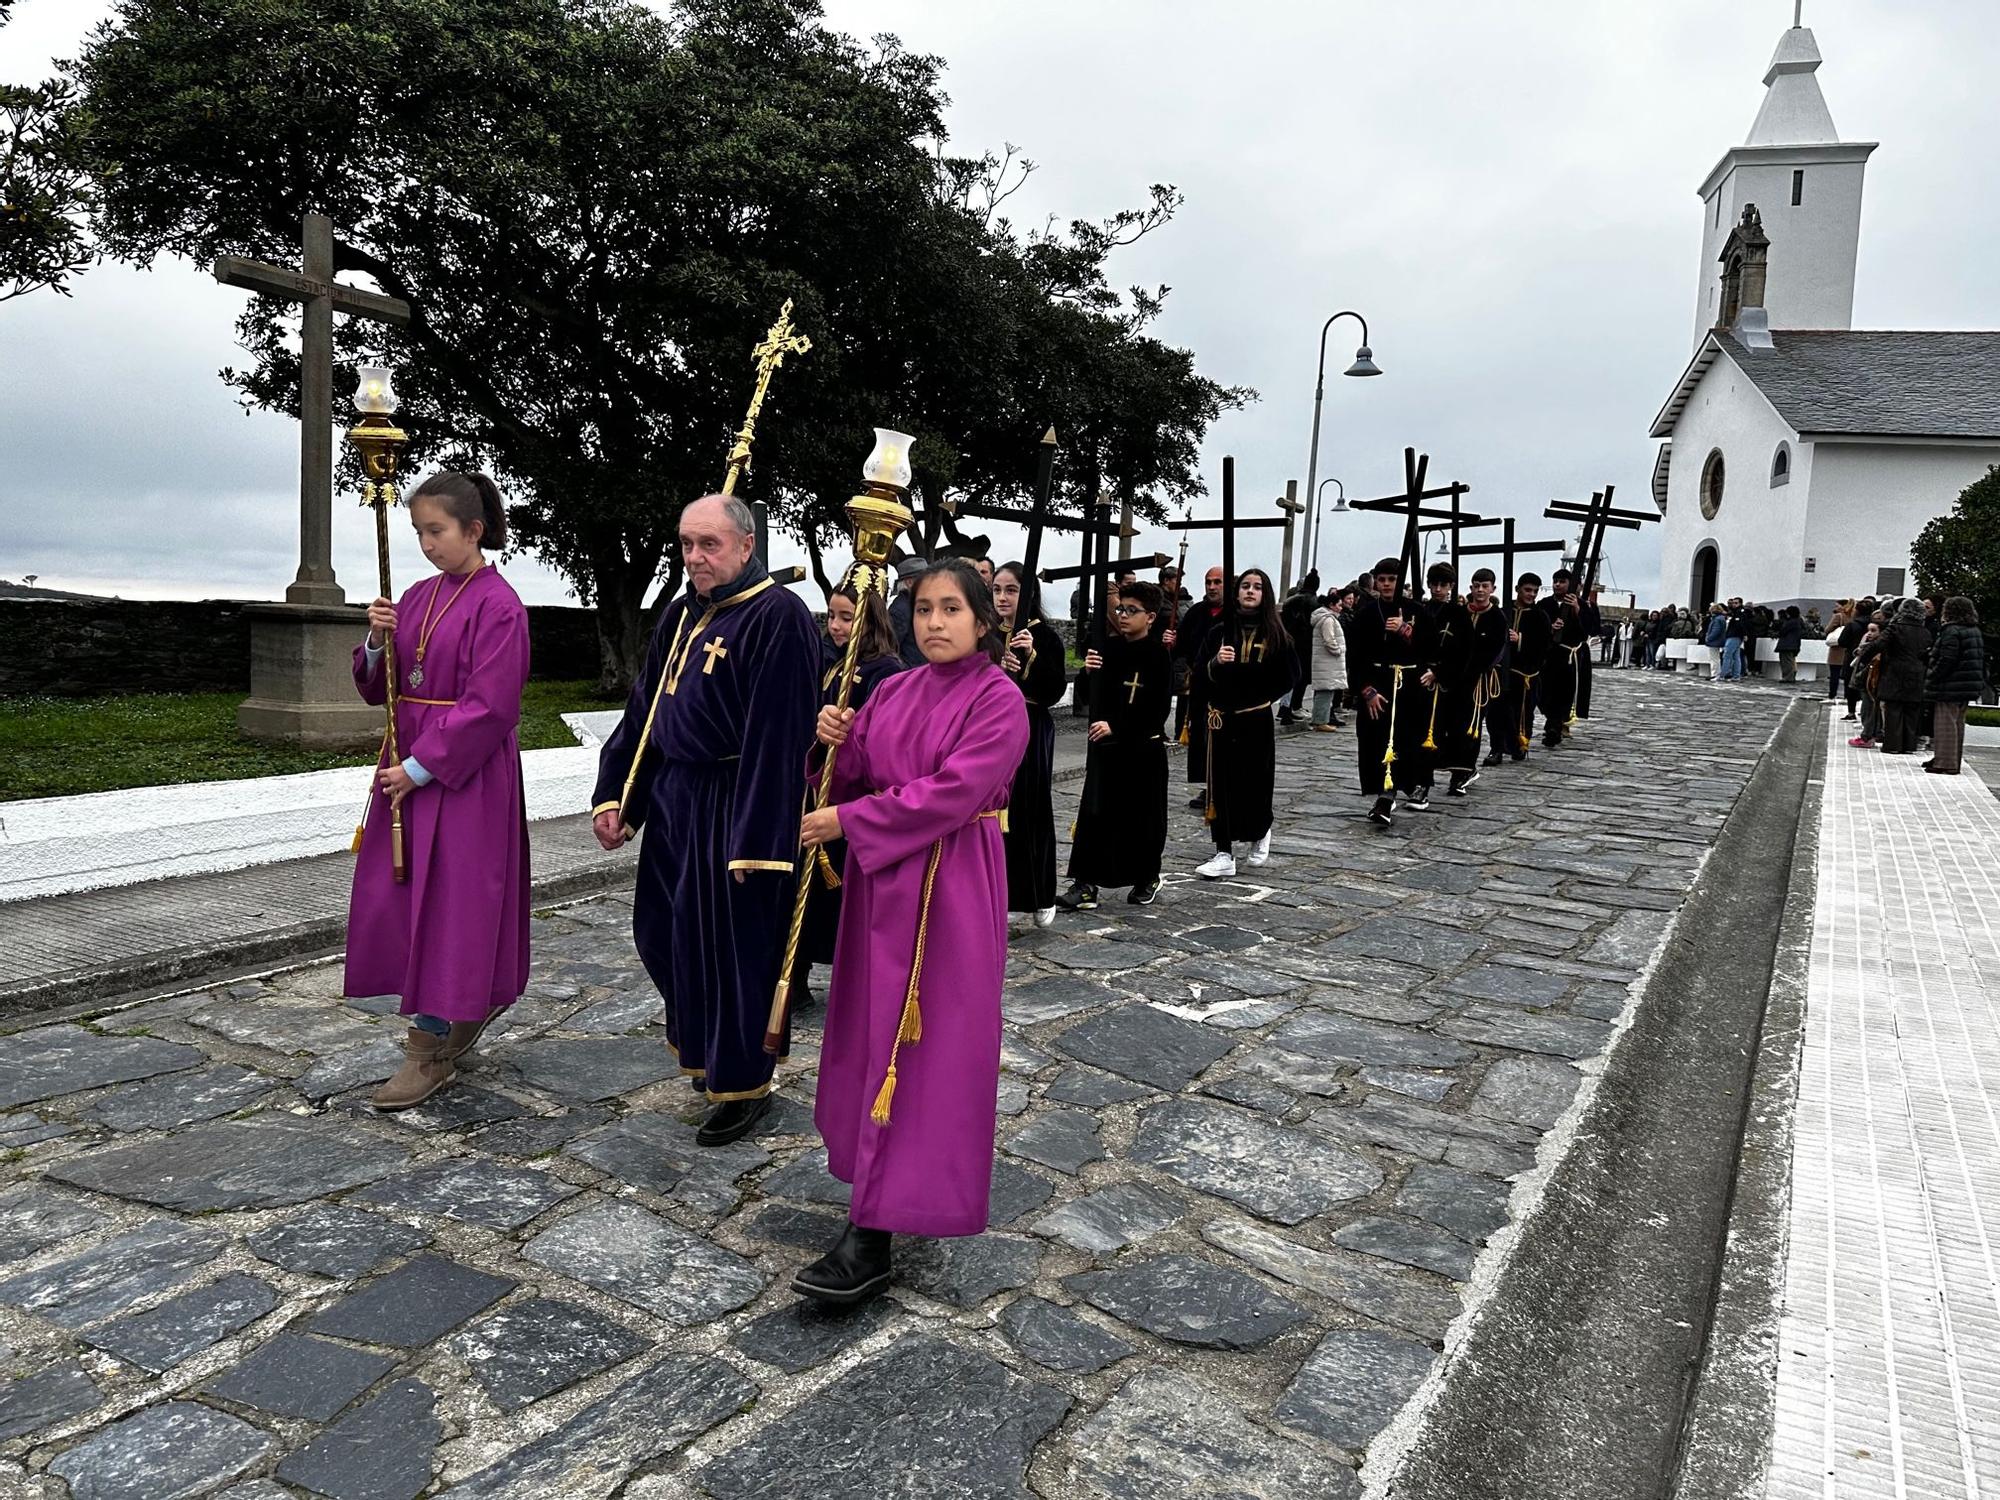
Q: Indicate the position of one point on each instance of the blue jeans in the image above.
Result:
(1732, 658)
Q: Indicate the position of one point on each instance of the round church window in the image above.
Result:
(1711, 484)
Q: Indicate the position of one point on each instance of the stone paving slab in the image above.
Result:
(1258, 1136)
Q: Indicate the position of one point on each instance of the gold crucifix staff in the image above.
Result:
(779, 340)
(879, 517)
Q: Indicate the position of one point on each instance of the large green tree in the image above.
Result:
(594, 210)
(1959, 553)
(45, 189)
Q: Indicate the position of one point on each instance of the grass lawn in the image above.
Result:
(58, 747)
(1990, 717)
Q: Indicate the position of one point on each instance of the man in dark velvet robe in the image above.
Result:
(1121, 822)
(1528, 638)
(1190, 637)
(1570, 643)
(707, 761)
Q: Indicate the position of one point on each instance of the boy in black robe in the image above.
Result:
(1528, 638)
(1121, 823)
(1473, 674)
(1440, 644)
(1191, 717)
(1382, 670)
(1556, 692)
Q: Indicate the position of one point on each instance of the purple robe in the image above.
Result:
(453, 941)
(937, 748)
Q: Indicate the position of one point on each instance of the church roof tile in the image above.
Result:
(1867, 382)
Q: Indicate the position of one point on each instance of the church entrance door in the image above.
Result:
(1701, 586)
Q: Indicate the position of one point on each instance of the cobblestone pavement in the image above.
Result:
(1254, 1140)
(1888, 1355)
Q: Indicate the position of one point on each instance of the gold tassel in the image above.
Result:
(884, 1097)
(1430, 730)
(910, 1028)
(355, 847)
(1389, 755)
(828, 876)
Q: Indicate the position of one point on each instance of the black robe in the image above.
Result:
(1121, 824)
(823, 904)
(1374, 654)
(1472, 678)
(1555, 693)
(713, 738)
(1512, 717)
(1593, 627)
(1242, 742)
(1031, 814)
(1442, 632)
(1198, 621)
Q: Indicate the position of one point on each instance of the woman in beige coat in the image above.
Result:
(1836, 654)
(1329, 663)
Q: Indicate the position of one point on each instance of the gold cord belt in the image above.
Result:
(428, 702)
(1485, 689)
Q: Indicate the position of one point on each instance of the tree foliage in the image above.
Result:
(1959, 553)
(595, 210)
(45, 189)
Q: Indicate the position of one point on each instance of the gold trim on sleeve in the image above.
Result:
(605, 807)
(762, 864)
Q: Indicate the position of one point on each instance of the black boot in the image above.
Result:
(733, 1119)
(855, 1269)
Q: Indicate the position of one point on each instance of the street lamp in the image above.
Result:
(1364, 364)
(1339, 509)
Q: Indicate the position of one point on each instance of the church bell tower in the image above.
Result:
(1806, 184)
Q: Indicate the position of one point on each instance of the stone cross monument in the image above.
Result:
(300, 689)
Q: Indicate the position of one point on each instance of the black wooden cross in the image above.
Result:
(1229, 524)
(1597, 516)
(314, 287)
(1410, 506)
(1507, 550)
(1110, 567)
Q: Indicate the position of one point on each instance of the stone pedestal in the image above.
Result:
(302, 680)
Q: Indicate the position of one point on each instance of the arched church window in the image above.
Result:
(1781, 465)
(1711, 484)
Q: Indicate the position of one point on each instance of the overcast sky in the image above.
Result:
(1506, 191)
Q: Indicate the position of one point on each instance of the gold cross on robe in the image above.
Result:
(1252, 645)
(1131, 690)
(714, 651)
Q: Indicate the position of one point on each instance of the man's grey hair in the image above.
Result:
(740, 515)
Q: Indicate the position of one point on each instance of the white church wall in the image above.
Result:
(1814, 245)
(1759, 531)
(1869, 501)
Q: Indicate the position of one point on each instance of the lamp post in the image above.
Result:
(1339, 509)
(1364, 364)
(381, 443)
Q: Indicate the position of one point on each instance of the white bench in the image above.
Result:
(1706, 659)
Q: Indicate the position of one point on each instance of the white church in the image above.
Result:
(1802, 455)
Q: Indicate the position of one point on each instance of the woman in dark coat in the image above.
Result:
(1038, 663)
(1957, 676)
(1905, 656)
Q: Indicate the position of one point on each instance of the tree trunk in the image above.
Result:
(818, 560)
(619, 586)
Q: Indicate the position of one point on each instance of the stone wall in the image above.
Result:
(89, 648)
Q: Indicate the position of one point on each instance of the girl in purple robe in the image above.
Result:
(910, 1065)
(452, 941)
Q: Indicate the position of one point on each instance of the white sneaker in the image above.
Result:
(1224, 864)
(1259, 851)
(1045, 917)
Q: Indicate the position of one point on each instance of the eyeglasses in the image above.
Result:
(1126, 609)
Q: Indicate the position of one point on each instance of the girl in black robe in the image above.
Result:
(876, 659)
(1035, 658)
(1247, 663)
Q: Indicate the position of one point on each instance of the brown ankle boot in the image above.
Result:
(464, 1034)
(425, 1070)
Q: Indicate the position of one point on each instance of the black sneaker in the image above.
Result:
(1143, 895)
(1460, 782)
(1079, 897)
(1380, 813)
(1493, 759)
(1199, 799)
(1418, 801)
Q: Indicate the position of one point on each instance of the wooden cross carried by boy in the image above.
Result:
(314, 287)
(1507, 550)
(1597, 516)
(1409, 505)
